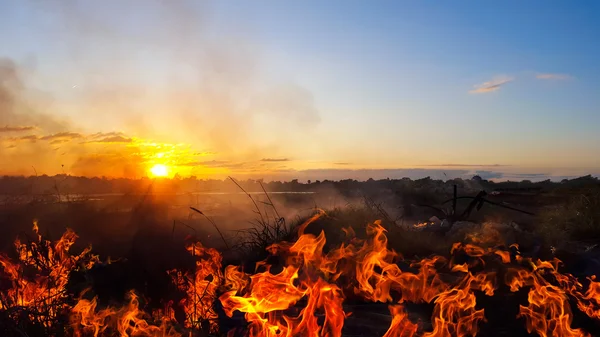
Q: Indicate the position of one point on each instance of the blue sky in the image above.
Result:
(382, 84)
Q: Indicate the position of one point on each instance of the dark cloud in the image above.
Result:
(58, 141)
(16, 128)
(113, 139)
(465, 165)
(98, 135)
(274, 159)
(28, 137)
(63, 136)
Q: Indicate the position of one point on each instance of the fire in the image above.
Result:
(129, 320)
(201, 288)
(159, 170)
(303, 294)
(35, 285)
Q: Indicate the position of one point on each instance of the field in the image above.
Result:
(375, 258)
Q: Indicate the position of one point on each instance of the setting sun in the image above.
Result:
(159, 170)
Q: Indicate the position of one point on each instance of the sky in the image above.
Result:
(288, 89)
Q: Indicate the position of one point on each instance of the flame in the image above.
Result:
(303, 294)
(87, 320)
(401, 326)
(201, 287)
(37, 281)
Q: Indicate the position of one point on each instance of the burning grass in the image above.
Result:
(306, 287)
(34, 287)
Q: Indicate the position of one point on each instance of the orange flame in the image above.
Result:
(304, 294)
(39, 278)
(128, 321)
(201, 288)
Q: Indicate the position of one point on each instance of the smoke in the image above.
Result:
(164, 71)
(21, 106)
(175, 74)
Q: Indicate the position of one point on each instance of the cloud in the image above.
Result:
(59, 141)
(342, 163)
(28, 137)
(108, 137)
(552, 76)
(113, 139)
(63, 136)
(465, 165)
(106, 134)
(491, 86)
(209, 163)
(274, 159)
(204, 153)
(16, 128)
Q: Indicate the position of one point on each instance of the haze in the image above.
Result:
(311, 89)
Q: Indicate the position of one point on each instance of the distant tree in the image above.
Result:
(477, 178)
(309, 181)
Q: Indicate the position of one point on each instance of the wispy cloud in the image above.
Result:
(204, 153)
(274, 159)
(552, 76)
(465, 165)
(106, 134)
(491, 86)
(341, 163)
(225, 164)
(16, 128)
(62, 135)
(114, 139)
(32, 138)
(59, 141)
(109, 137)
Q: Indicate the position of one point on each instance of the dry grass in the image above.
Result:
(578, 219)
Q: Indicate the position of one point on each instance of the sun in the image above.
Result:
(159, 170)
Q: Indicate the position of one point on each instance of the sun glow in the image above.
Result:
(159, 170)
